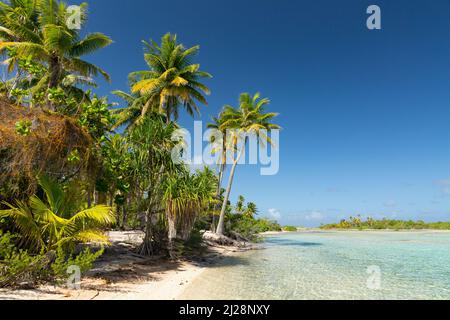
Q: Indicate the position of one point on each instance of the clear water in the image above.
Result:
(334, 265)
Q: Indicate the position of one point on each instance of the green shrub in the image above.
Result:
(63, 261)
(250, 227)
(19, 267)
(290, 229)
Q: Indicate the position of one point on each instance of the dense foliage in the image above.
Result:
(241, 221)
(19, 268)
(73, 166)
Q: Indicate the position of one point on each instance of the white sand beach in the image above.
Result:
(124, 275)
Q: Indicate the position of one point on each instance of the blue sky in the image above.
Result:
(365, 114)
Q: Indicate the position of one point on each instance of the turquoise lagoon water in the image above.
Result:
(334, 265)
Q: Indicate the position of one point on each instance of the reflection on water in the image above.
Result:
(334, 265)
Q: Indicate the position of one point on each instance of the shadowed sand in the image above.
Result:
(123, 275)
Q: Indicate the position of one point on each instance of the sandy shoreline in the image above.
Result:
(123, 275)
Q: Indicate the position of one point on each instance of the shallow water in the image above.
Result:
(334, 265)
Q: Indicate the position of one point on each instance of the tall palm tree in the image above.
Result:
(172, 80)
(249, 118)
(58, 220)
(43, 33)
(219, 146)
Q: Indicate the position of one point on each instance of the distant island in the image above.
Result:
(385, 224)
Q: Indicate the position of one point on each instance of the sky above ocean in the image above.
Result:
(365, 113)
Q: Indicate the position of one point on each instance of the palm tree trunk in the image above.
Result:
(220, 227)
(125, 212)
(172, 234)
(117, 216)
(54, 72)
(219, 187)
(89, 198)
(146, 248)
(54, 69)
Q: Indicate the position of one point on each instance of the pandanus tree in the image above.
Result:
(172, 80)
(40, 29)
(247, 120)
(185, 197)
(151, 146)
(58, 220)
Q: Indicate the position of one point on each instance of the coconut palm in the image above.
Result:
(134, 113)
(240, 205)
(58, 220)
(251, 210)
(218, 147)
(249, 119)
(43, 33)
(172, 80)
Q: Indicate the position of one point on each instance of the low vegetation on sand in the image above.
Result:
(386, 224)
(73, 165)
(290, 229)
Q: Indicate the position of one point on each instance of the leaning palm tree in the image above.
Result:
(172, 80)
(58, 220)
(44, 34)
(249, 119)
(218, 147)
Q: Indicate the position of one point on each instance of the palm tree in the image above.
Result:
(240, 205)
(250, 118)
(172, 80)
(219, 146)
(43, 33)
(58, 220)
(133, 114)
(251, 210)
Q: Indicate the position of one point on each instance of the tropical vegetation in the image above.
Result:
(74, 166)
(385, 224)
